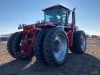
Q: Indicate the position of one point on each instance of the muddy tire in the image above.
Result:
(55, 47)
(9, 44)
(16, 47)
(38, 46)
(79, 42)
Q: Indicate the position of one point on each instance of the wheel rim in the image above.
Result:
(83, 45)
(22, 53)
(60, 47)
(21, 50)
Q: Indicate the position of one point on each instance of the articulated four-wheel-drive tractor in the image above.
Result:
(50, 39)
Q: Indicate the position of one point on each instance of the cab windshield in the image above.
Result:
(56, 15)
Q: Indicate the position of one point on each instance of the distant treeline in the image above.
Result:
(93, 36)
(3, 39)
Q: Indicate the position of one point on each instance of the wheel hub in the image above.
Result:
(56, 46)
(83, 43)
(60, 47)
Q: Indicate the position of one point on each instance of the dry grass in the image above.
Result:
(76, 64)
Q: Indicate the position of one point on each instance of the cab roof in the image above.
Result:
(56, 6)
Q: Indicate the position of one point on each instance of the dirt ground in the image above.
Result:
(85, 64)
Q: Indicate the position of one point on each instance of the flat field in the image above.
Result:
(85, 64)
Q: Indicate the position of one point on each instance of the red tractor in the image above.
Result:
(49, 40)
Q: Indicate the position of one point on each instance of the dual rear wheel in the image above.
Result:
(14, 47)
(79, 42)
(51, 46)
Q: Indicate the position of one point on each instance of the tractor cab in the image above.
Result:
(57, 14)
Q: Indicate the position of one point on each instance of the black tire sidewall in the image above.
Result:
(51, 35)
(16, 47)
(9, 44)
(16, 44)
(38, 45)
(77, 42)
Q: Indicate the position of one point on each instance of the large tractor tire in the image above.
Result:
(16, 49)
(9, 44)
(55, 47)
(79, 42)
(38, 46)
